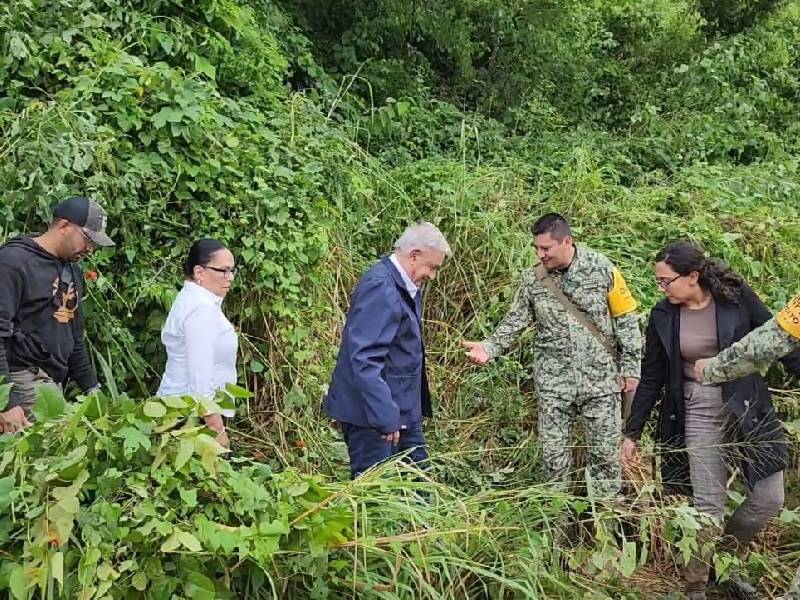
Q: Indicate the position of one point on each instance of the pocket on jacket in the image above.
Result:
(394, 373)
(405, 389)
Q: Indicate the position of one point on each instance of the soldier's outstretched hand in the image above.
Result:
(476, 353)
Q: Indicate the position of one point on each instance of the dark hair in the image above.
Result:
(200, 255)
(554, 224)
(717, 278)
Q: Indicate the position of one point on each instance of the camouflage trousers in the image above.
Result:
(602, 421)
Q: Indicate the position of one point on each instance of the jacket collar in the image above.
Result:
(411, 287)
(665, 319)
(666, 315)
(726, 323)
(416, 302)
(201, 293)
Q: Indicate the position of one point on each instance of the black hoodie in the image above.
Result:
(40, 318)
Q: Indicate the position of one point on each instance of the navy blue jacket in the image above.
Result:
(379, 380)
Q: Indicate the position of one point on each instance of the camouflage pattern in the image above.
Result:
(573, 374)
(754, 351)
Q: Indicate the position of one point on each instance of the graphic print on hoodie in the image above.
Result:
(41, 325)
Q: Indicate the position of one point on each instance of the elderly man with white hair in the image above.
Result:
(379, 393)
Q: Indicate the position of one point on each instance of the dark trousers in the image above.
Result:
(367, 447)
(25, 388)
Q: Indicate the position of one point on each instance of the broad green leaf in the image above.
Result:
(133, 439)
(209, 449)
(174, 402)
(18, 582)
(786, 517)
(200, 587)
(628, 561)
(73, 465)
(276, 527)
(154, 410)
(227, 403)
(6, 487)
(185, 452)
(104, 587)
(172, 543)
(139, 581)
(166, 42)
(298, 489)
(6, 527)
(5, 390)
(189, 497)
(686, 545)
(57, 568)
(203, 65)
(49, 404)
(189, 542)
(237, 391)
(207, 406)
(92, 556)
(67, 496)
(63, 522)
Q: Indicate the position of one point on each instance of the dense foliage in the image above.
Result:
(307, 134)
(112, 498)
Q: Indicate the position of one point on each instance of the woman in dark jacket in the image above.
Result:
(703, 430)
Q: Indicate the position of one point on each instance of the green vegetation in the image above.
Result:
(306, 135)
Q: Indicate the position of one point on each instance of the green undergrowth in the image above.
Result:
(306, 136)
(111, 497)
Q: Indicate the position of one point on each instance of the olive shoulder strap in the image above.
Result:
(584, 319)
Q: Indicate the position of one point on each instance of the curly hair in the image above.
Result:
(714, 276)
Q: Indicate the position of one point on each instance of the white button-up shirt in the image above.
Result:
(201, 345)
(410, 285)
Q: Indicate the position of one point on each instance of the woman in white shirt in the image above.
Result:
(200, 341)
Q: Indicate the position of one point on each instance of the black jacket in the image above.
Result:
(41, 325)
(763, 444)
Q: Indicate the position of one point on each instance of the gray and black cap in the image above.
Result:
(86, 214)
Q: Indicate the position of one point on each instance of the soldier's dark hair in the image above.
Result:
(200, 255)
(714, 276)
(554, 224)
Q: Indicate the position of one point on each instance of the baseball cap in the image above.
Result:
(86, 214)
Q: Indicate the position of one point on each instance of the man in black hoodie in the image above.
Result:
(41, 326)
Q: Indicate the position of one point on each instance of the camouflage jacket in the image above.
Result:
(568, 359)
(774, 339)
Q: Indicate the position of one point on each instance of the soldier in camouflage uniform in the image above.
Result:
(574, 374)
(774, 339)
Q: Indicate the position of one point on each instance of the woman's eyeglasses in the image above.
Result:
(227, 271)
(664, 283)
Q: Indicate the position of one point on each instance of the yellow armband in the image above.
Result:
(789, 317)
(620, 299)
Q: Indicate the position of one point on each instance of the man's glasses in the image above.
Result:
(86, 237)
(227, 271)
(664, 283)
